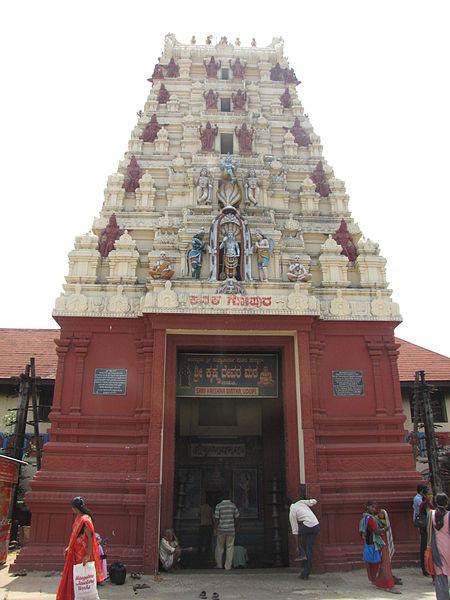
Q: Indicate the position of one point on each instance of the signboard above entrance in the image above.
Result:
(233, 375)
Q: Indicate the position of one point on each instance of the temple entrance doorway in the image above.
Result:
(229, 441)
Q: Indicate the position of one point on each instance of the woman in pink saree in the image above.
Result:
(82, 548)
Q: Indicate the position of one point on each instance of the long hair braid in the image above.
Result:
(441, 510)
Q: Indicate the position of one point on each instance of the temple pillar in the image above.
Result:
(80, 346)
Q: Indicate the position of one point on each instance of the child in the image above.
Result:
(102, 556)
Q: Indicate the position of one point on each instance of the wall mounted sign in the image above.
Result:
(217, 450)
(232, 375)
(348, 383)
(110, 382)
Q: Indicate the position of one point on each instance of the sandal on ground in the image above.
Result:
(202, 594)
(215, 596)
(135, 575)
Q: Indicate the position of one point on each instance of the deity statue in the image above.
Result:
(276, 73)
(211, 98)
(239, 99)
(245, 138)
(162, 269)
(300, 135)
(343, 238)
(158, 73)
(108, 236)
(238, 69)
(193, 40)
(132, 176)
(195, 253)
(231, 255)
(285, 99)
(262, 249)
(228, 193)
(150, 132)
(204, 187)
(208, 136)
(212, 67)
(253, 43)
(172, 69)
(297, 271)
(237, 42)
(320, 179)
(290, 77)
(163, 95)
(223, 41)
(208, 40)
(252, 190)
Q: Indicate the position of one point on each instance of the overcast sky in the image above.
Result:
(374, 83)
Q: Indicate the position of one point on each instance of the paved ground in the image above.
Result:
(235, 585)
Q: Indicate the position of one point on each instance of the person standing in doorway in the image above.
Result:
(226, 517)
(420, 506)
(205, 530)
(305, 524)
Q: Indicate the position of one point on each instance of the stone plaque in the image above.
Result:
(348, 383)
(110, 382)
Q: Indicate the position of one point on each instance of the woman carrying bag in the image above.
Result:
(437, 554)
(376, 553)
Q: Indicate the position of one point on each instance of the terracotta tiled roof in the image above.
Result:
(415, 358)
(17, 346)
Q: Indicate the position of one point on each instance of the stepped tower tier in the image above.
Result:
(225, 324)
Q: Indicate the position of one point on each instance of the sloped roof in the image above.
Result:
(415, 358)
(17, 346)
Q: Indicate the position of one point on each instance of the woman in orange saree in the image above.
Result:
(82, 548)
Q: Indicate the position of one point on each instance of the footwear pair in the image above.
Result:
(203, 595)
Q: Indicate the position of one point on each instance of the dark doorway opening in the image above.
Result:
(226, 143)
(231, 443)
(225, 104)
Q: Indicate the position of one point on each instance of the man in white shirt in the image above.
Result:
(304, 523)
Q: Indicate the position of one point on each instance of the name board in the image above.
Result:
(110, 382)
(217, 450)
(232, 375)
(348, 383)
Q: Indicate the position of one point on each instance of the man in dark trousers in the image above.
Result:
(420, 505)
(305, 524)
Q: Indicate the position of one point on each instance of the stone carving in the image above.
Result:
(193, 40)
(208, 40)
(204, 187)
(84, 259)
(163, 95)
(299, 298)
(151, 130)
(119, 303)
(172, 69)
(334, 264)
(289, 146)
(342, 237)
(167, 298)
(162, 268)
(76, 302)
(238, 69)
(286, 99)
(166, 232)
(123, 260)
(132, 176)
(231, 253)
(253, 43)
(108, 236)
(276, 73)
(339, 306)
(278, 174)
(292, 231)
(301, 137)
(145, 195)
(208, 136)
(212, 67)
(114, 193)
(371, 266)
(162, 141)
(289, 77)
(298, 272)
(320, 179)
(223, 41)
(228, 193)
(195, 253)
(211, 97)
(158, 73)
(309, 198)
(237, 42)
(245, 138)
(381, 306)
(239, 99)
(251, 187)
(231, 286)
(263, 248)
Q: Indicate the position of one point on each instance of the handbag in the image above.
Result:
(371, 554)
(85, 581)
(428, 562)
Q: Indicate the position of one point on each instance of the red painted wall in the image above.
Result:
(118, 451)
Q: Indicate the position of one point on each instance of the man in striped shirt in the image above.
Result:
(226, 516)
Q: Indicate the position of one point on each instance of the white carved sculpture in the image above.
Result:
(292, 232)
(338, 198)
(309, 199)
(145, 193)
(114, 192)
(333, 264)
(84, 259)
(123, 260)
(162, 142)
(118, 304)
(339, 306)
(297, 271)
(371, 266)
(381, 306)
(204, 187)
(167, 298)
(252, 190)
(76, 302)
(289, 145)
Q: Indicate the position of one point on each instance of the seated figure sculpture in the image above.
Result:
(297, 271)
(162, 269)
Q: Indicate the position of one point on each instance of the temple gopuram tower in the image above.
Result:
(225, 327)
